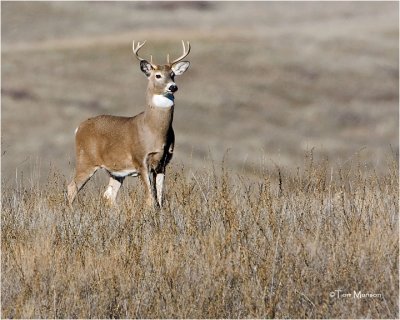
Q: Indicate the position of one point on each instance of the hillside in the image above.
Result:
(268, 81)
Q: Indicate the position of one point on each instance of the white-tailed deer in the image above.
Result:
(132, 146)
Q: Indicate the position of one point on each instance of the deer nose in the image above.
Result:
(173, 88)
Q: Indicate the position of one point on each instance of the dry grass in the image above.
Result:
(223, 247)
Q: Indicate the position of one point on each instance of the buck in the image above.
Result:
(132, 146)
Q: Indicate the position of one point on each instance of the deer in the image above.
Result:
(141, 145)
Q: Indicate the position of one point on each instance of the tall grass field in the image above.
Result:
(316, 242)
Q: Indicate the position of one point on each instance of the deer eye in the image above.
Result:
(158, 76)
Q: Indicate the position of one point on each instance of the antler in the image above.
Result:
(185, 53)
(136, 50)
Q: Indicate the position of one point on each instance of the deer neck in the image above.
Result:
(159, 112)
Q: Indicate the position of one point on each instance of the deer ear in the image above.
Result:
(146, 67)
(180, 67)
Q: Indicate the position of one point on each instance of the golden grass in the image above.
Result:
(223, 247)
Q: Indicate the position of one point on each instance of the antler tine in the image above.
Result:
(185, 52)
(136, 50)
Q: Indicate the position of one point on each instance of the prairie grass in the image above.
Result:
(224, 246)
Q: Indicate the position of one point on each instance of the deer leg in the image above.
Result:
(72, 192)
(81, 177)
(160, 187)
(112, 189)
(148, 180)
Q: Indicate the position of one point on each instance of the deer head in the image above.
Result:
(161, 77)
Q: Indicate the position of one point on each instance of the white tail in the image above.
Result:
(132, 146)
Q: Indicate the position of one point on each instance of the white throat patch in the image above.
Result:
(161, 101)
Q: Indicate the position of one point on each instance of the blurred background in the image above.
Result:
(268, 81)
